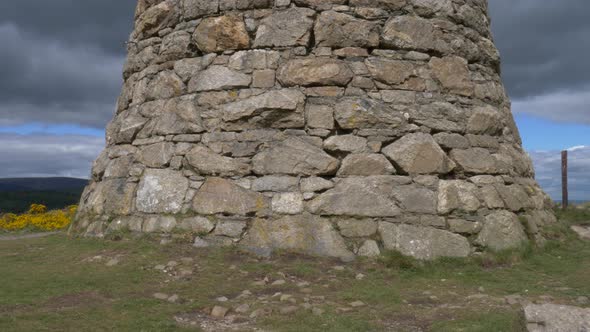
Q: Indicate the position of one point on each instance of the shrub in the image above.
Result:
(38, 219)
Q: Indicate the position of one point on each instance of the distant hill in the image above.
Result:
(41, 184)
(17, 194)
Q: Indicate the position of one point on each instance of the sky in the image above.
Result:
(60, 75)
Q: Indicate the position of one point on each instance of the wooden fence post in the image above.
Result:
(564, 200)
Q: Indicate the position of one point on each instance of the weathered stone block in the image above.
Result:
(219, 78)
(423, 242)
(161, 191)
(287, 203)
(346, 143)
(416, 199)
(411, 32)
(210, 163)
(475, 160)
(501, 230)
(294, 156)
(365, 164)
(333, 29)
(319, 116)
(218, 195)
(314, 72)
(217, 34)
(291, 27)
(156, 155)
(390, 71)
(457, 195)
(306, 234)
(276, 101)
(364, 197)
(453, 73)
(359, 113)
(198, 8)
(419, 154)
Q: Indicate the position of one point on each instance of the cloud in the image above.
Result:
(559, 106)
(542, 45)
(548, 168)
(48, 155)
(104, 24)
(52, 81)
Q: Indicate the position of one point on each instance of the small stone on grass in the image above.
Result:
(219, 312)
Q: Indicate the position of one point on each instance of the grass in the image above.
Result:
(58, 283)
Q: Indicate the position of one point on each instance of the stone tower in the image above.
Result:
(326, 127)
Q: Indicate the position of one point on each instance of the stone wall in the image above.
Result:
(328, 127)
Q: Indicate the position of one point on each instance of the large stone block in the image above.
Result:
(198, 8)
(155, 18)
(390, 71)
(416, 199)
(157, 155)
(346, 143)
(553, 317)
(360, 113)
(502, 230)
(219, 78)
(222, 196)
(217, 34)
(333, 29)
(161, 191)
(315, 72)
(419, 154)
(208, 162)
(365, 164)
(453, 74)
(415, 33)
(423, 242)
(284, 101)
(291, 27)
(294, 156)
(457, 195)
(475, 160)
(305, 234)
(365, 197)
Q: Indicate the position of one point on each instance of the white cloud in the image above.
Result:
(48, 155)
(548, 169)
(560, 106)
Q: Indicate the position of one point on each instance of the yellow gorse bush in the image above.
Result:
(38, 218)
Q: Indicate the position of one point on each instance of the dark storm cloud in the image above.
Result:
(61, 61)
(50, 81)
(543, 44)
(102, 23)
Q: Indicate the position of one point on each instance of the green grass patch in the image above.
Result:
(53, 284)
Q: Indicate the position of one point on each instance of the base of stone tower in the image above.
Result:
(341, 218)
(336, 128)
